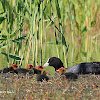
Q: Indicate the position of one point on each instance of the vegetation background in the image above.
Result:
(31, 31)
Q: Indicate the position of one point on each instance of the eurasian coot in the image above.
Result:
(82, 68)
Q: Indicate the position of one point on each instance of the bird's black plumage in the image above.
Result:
(55, 62)
(11, 69)
(24, 71)
(8, 70)
(36, 71)
(69, 75)
(42, 76)
(82, 68)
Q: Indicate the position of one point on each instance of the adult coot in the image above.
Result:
(82, 68)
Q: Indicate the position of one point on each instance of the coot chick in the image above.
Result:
(11, 69)
(42, 76)
(38, 69)
(69, 76)
(82, 68)
(29, 69)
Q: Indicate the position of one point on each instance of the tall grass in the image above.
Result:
(32, 26)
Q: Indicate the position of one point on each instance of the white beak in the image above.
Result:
(46, 64)
(57, 70)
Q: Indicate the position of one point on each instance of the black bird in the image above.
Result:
(29, 69)
(11, 69)
(38, 69)
(42, 76)
(55, 62)
(82, 68)
(69, 76)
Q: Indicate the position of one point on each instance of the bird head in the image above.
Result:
(29, 67)
(14, 66)
(38, 67)
(61, 70)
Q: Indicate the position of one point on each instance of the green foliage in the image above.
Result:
(93, 23)
(19, 39)
(58, 9)
(1, 19)
(11, 56)
(26, 26)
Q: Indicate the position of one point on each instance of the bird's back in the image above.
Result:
(42, 77)
(8, 70)
(85, 68)
(71, 76)
(36, 71)
(22, 70)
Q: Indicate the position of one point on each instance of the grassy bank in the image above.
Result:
(57, 88)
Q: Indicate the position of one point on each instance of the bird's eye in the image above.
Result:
(50, 60)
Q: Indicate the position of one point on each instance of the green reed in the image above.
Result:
(28, 24)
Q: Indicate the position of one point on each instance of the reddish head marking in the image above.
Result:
(14, 66)
(61, 70)
(38, 67)
(29, 67)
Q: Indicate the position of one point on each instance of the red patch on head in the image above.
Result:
(60, 69)
(16, 66)
(30, 65)
(39, 67)
(13, 65)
